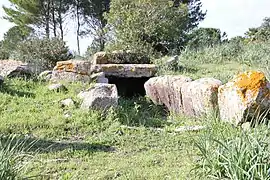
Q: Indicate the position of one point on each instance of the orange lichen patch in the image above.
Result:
(65, 66)
(69, 67)
(250, 82)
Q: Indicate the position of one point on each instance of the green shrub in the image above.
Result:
(4, 54)
(234, 154)
(42, 52)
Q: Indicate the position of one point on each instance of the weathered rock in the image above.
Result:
(82, 94)
(167, 90)
(72, 70)
(119, 57)
(100, 97)
(99, 78)
(244, 98)
(172, 62)
(45, 75)
(128, 70)
(58, 76)
(102, 80)
(100, 58)
(200, 97)
(76, 66)
(11, 68)
(67, 102)
(57, 87)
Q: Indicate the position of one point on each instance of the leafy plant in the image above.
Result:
(13, 156)
(42, 52)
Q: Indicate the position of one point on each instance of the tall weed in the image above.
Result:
(230, 153)
(13, 156)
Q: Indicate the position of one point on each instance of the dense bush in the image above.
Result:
(42, 52)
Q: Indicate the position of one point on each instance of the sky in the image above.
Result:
(234, 17)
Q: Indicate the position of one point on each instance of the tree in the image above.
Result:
(15, 35)
(44, 16)
(11, 39)
(151, 26)
(195, 12)
(261, 33)
(205, 37)
(92, 13)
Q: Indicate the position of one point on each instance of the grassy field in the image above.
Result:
(89, 145)
(134, 141)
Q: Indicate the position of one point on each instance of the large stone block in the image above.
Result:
(119, 57)
(167, 90)
(76, 66)
(200, 97)
(12, 68)
(245, 98)
(128, 70)
(72, 70)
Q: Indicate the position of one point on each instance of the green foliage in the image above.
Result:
(42, 52)
(259, 34)
(227, 153)
(147, 26)
(252, 54)
(13, 156)
(4, 54)
(96, 46)
(205, 37)
(23, 13)
(14, 36)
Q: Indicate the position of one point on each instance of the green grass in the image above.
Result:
(221, 61)
(137, 139)
(91, 145)
(134, 141)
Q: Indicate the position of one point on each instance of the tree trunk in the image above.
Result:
(47, 18)
(78, 26)
(53, 17)
(60, 19)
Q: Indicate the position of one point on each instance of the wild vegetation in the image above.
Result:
(41, 139)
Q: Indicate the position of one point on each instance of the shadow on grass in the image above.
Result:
(187, 69)
(4, 88)
(48, 146)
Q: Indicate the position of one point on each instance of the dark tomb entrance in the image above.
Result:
(129, 86)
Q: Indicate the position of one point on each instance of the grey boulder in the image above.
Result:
(100, 97)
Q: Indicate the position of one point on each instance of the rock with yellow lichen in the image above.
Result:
(72, 70)
(245, 98)
(199, 97)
